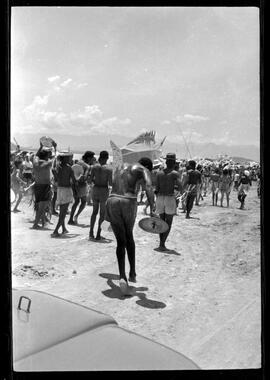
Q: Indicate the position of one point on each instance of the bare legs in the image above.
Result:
(20, 195)
(40, 213)
(97, 206)
(61, 220)
(163, 237)
(227, 198)
(101, 219)
(93, 218)
(73, 209)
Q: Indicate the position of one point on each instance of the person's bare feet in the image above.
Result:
(162, 248)
(124, 288)
(55, 235)
(36, 227)
(132, 278)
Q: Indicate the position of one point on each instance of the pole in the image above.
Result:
(185, 141)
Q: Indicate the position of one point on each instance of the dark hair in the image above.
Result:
(225, 171)
(17, 162)
(88, 154)
(192, 164)
(64, 159)
(146, 162)
(43, 154)
(170, 163)
(104, 154)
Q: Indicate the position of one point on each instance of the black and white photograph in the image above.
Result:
(135, 188)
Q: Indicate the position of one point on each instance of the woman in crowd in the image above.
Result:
(214, 183)
(65, 178)
(225, 186)
(17, 183)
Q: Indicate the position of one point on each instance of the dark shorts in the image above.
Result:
(100, 194)
(121, 211)
(42, 193)
(27, 175)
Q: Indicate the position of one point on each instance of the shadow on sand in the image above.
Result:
(67, 236)
(115, 292)
(102, 241)
(82, 225)
(169, 252)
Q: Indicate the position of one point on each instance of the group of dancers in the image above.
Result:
(56, 181)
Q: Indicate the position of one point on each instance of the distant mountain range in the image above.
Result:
(79, 144)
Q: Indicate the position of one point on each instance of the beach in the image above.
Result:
(202, 299)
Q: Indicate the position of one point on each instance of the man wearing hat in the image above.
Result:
(245, 183)
(166, 181)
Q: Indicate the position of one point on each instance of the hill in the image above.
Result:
(79, 144)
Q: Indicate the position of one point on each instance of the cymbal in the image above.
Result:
(153, 225)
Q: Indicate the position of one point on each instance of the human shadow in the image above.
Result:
(41, 229)
(173, 252)
(193, 217)
(67, 236)
(109, 276)
(102, 241)
(82, 225)
(115, 292)
(169, 251)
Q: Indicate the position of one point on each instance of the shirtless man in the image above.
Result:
(81, 193)
(244, 185)
(166, 181)
(42, 172)
(121, 211)
(101, 176)
(193, 181)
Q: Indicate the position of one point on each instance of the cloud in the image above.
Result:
(81, 85)
(35, 107)
(166, 122)
(187, 118)
(66, 82)
(88, 121)
(53, 79)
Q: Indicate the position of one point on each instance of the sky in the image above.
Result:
(88, 71)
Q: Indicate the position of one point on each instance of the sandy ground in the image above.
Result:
(203, 299)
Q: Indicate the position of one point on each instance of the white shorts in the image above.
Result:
(166, 204)
(64, 195)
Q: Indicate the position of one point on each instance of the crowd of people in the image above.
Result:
(56, 181)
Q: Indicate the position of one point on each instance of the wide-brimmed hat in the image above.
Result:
(171, 156)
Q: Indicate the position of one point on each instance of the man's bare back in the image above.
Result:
(126, 180)
(101, 175)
